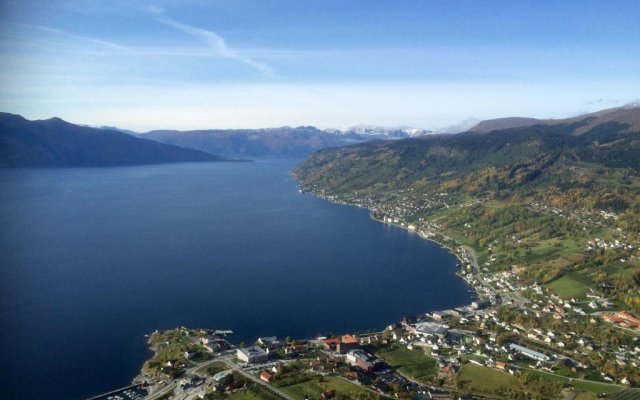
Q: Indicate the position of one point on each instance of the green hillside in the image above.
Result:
(549, 201)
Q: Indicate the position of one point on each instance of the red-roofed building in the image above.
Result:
(449, 369)
(347, 342)
(624, 318)
(331, 343)
(349, 339)
(266, 376)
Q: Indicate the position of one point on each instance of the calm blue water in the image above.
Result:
(94, 258)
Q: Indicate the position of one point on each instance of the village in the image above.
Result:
(493, 332)
(518, 333)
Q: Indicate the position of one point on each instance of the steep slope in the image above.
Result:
(54, 142)
(536, 201)
(501, 163)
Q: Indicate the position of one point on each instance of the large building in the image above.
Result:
(252, 354)
(536, 355)
(623, 318)
(429, 329)
(360, 359)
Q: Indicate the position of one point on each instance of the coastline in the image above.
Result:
(452, 251)
(462, 261)
(407, 329)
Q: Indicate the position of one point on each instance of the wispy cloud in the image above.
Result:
(97, 42)
(214, 41)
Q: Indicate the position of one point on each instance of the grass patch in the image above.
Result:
(243, 395)
(412, 363)
(314, 388)
(475, 377)
(568, 287)
(592, 387)
(212, 368)
(586, 396)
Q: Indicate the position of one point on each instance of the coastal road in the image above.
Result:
(162, 392)
(471, 255)
(170, 388)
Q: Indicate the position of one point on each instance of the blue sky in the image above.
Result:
(217, 64)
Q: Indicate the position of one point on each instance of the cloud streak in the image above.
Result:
(214, 41)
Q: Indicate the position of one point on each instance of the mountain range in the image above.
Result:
(276, 142)
(579, 154)
(54, 142)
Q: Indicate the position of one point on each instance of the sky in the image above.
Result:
(196, 64)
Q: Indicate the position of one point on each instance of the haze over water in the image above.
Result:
(92, 259)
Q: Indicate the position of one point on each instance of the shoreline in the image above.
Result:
(467, 269)
(452, 251)
(456, 254)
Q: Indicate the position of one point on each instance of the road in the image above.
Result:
(471, 255)
(227, 360)
(237, 368)
(163, 392)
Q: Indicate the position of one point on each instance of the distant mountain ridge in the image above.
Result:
(629, 114)
(54, 142)
(276, 142)
(499, 124)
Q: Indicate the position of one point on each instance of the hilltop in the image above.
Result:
(629, 115)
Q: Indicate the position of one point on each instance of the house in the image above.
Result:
(501, 365)
(331, 343)
(438, 394)
(253, 354)
(480, 304)
(347, 342)
(623, 318)
(449, 369)
(266, 376)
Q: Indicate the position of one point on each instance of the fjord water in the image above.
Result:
(92, 259)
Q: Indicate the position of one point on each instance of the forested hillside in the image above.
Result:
(558, 203)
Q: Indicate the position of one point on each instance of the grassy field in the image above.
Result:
(475, 377)
(243, 395)
(592, 387)
(314, 388)
(212, 368)
(586, 396)
(412, 363)
(568, 287)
